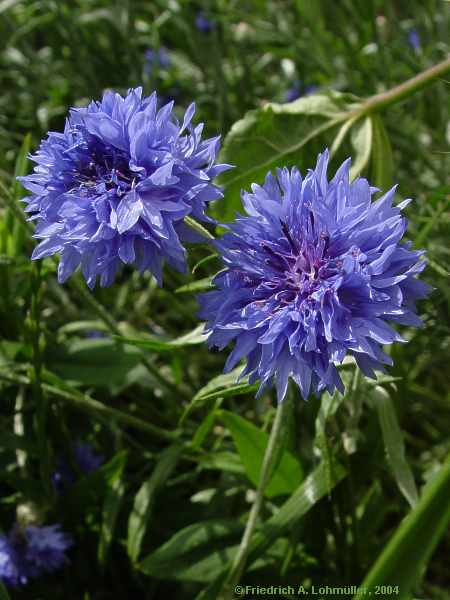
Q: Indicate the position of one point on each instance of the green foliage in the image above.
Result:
(395, 449)
(409, 549)
(251, 444)
(360, 490)
(145, 498)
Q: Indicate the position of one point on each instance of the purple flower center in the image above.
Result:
(100, 168)
(296, 269)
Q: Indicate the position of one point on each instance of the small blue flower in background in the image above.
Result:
(296, 91)
(313, 273)
(95, 334)
(202, 23)
(29, 552)
(86, 459)
(10, 571)
(156, 58)
(414, 39)
(293, 92)
(115, 186)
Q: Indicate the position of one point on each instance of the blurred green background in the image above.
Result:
(229, 56)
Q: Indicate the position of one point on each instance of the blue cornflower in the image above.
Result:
(115, 186)
(156, 58)
(10, 571)
(293, 92)
(313, 273)
(202, 23)
(86, 459)
(296, 91)
(30, 552)
(414, 39)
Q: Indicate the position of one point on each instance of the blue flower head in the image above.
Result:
(86, 459)
(314, 273)
(115, 186)
(10, 572)
(30, 552)
(202, 23)
(293, 92)
(156, 58)
(44, 549)
(414, 39)
(296, 90)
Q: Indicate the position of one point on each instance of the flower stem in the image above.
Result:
(109, 321)
(270, 458)
(193, 224)
(403, 90)
(85, 403)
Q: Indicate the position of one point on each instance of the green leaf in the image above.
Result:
(196, 286)
(382, 165)
(277, 135)
(204, 428)
(394, 445)
(251, 443)
(203, 261)
(329, 405)
(21, 165)
(145, 498)
(99, 362)
(4, 592)
(111, 505)
(317, 485)
(88, 489)
(76, 326)
(222, 461)
(193, 338)
(196, 553)
(403, 560)
(222, 386)
(361, 138)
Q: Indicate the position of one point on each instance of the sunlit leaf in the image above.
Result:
(278, 135)
(194, 337)
(251, 443)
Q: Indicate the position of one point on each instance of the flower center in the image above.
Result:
(101, 169)
(297, 268)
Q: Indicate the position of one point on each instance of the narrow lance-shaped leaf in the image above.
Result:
(361, 138)
(311, 491)
(222, 386)
(145, 498)
(111, 506)
(382, 165)
(4, 592)
(193, 338)
(408, 551)
(395, 448)
(181, 556)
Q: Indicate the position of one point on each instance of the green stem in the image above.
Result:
(98, 308)
(92, 406)
(40, 399)
(270, 456)
(402, 91)
(193, 224)
(104, 315)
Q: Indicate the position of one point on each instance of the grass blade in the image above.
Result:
(409, 549)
